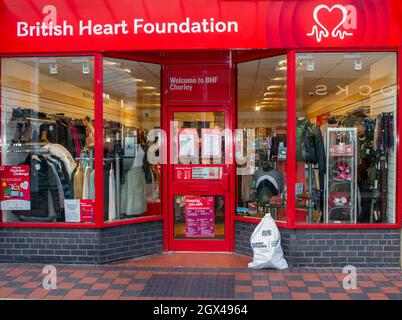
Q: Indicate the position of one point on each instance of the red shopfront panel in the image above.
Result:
(127, 25)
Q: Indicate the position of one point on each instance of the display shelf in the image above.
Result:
(340, 202)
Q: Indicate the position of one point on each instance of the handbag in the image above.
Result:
(339, 198)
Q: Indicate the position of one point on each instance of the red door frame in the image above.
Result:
(178, 188)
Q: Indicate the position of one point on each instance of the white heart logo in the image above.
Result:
(324, 32)
(24, 185)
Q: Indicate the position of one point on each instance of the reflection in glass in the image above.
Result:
(345, 137)
(262, 138)
(48, 133)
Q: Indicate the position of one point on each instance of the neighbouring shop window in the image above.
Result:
(131, 104)
(346, 137)
(261, 138)
(47, 172)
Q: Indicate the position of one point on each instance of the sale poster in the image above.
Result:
(188, 142)
(200, 217)
(15, 187)
(87, 210)
(211, 142)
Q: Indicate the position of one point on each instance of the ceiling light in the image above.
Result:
(310, 65)
(278, 79)
(282, 62)
(257, 108)
(147, 88)
(283, 68)
(85, 68)
(273, 87)
(358, 64)
(53, 68)
(127, 70)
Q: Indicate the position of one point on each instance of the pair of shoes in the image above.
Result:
(343, 177)
(342, 173)
(23, 132)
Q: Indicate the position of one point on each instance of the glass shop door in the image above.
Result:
(199, 169)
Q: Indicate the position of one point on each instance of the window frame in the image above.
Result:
(291, 150)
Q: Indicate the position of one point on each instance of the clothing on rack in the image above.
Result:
(310, 147)
(112, 196)
(78, 182)
(86, 182)
(61, 152)
(133, 194)
(92, 185)
(44, 189)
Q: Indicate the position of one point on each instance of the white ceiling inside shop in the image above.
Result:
(262, 83)
(137, 83)
(332, 73)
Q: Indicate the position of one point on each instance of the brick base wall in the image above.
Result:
(80, 245)
(331, 248)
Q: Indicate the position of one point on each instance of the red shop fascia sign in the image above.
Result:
(101, 25)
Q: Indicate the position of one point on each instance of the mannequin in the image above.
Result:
(269, 182)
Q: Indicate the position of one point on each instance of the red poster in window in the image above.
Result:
(15, 187)
(87, 210)
(200, 217)
(211, 143)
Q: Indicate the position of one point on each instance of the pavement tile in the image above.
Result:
(281, 296)
(296, 284)
(261, 289)
(242, 276)
(394, 296)
(122, 281)
(244, 296)
(88, 280)
(112, 294)
(75, 294)
(377, 296)
(100, 286)
(316, 289)
(6, 291)
(260, 283)
(365, 284)
(320, 296)
(331, 284)
(136, 286)
(339, 296)
(262, 295)
(390, 290)
(276, 289)
(38, 294)
(301, 296)
(243, 289)
(31, 285)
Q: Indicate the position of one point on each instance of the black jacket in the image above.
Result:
(310, 146)
(43, 184)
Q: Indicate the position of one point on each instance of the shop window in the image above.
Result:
(260, 141)
(346, 137)
(131, 104)
(47, 172)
